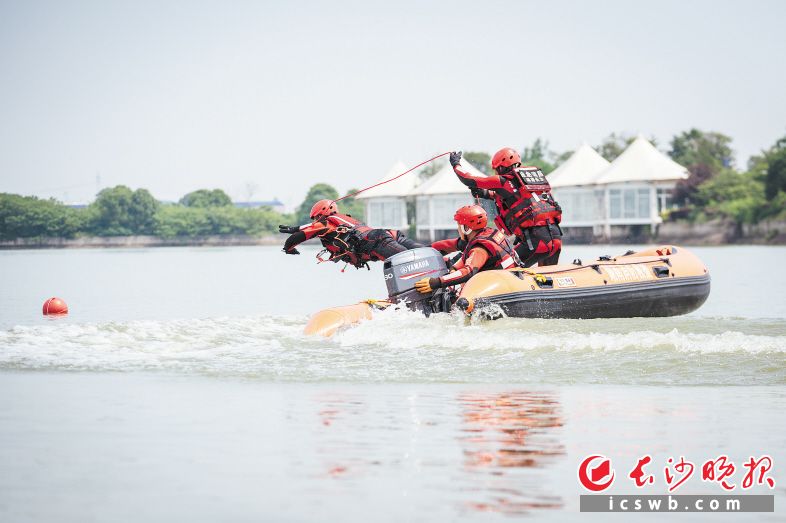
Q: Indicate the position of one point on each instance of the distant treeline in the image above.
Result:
(716, 188)
(119, 211)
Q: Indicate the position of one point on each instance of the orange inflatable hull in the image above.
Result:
(327, 322)
(662, 281)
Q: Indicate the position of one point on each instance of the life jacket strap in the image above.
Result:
(528, 238)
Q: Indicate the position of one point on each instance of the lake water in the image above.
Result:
(181, 387)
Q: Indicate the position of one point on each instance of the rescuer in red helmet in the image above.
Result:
(483, 249)
(345, 238)
(526, 208)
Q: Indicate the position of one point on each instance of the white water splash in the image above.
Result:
(400, 345)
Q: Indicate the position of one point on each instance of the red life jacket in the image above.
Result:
(501, 253)
(343, 238)
(525, 201)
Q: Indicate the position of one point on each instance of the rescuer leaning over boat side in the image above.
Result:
(345, 238)
(526, 208)
(484, 248)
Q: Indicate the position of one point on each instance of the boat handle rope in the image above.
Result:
(377, 304)
(538, 277)
(536, 274)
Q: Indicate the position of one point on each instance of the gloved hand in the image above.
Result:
(427, 285)
(291, 251)
(455, 158)
(287, 229)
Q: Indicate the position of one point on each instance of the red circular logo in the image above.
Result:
(590, 476)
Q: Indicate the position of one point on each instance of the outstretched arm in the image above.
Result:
(473, 181)
(477, 182)
(446, 247)
(293, 241)
(305, 232)
(462, 272)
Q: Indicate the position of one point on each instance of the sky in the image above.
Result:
(263, 99)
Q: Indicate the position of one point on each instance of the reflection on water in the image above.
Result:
(501, 450)
(335, 442)
(133, 447)
(506, 437)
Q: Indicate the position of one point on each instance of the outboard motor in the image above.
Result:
(402, 270)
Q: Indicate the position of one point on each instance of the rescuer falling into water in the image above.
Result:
(345, 238)
(526, 208)
(483, 248)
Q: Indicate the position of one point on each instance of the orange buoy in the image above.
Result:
(55, 306)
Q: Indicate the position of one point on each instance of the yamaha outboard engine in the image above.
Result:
(405, 268)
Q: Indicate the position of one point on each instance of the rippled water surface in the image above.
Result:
(403, 346)
(181, 387)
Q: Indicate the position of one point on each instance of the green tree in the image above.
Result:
(119, 211)
(143, 211)
(686, 189)
(559, 159)
(775, 179)
(319, 191)
(537, 154)
(110, 212)
(479, 160)
(705, 155)
(732, 195)
(353, 207)
(257, 222)
(206, 198)
(180, 221)
(613, 145)
(695, 147)
(431, 169)
(31, 217)
(177, 220)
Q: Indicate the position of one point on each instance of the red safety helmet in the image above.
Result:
(507, 158)
(323, 209)
(471, 217)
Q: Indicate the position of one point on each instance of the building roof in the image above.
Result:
(582, 168)
(641, 162)
(256, 204)
(445, 181)
(400, 187)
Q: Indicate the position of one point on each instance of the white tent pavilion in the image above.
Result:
(386, 205)
(437, 199)
(638, 185)
(630, 191)
(642, 162)
(573, 187)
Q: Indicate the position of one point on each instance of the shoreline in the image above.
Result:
(124, 243)
(135, 242)
(714, 233)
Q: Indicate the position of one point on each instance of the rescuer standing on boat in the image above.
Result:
(345, 238)
(527, 210)
(483, 248)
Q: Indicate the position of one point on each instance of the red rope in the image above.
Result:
(394, 178)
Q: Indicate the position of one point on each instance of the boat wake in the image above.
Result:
(403, 346)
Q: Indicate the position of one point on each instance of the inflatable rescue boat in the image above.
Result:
(663, 281)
